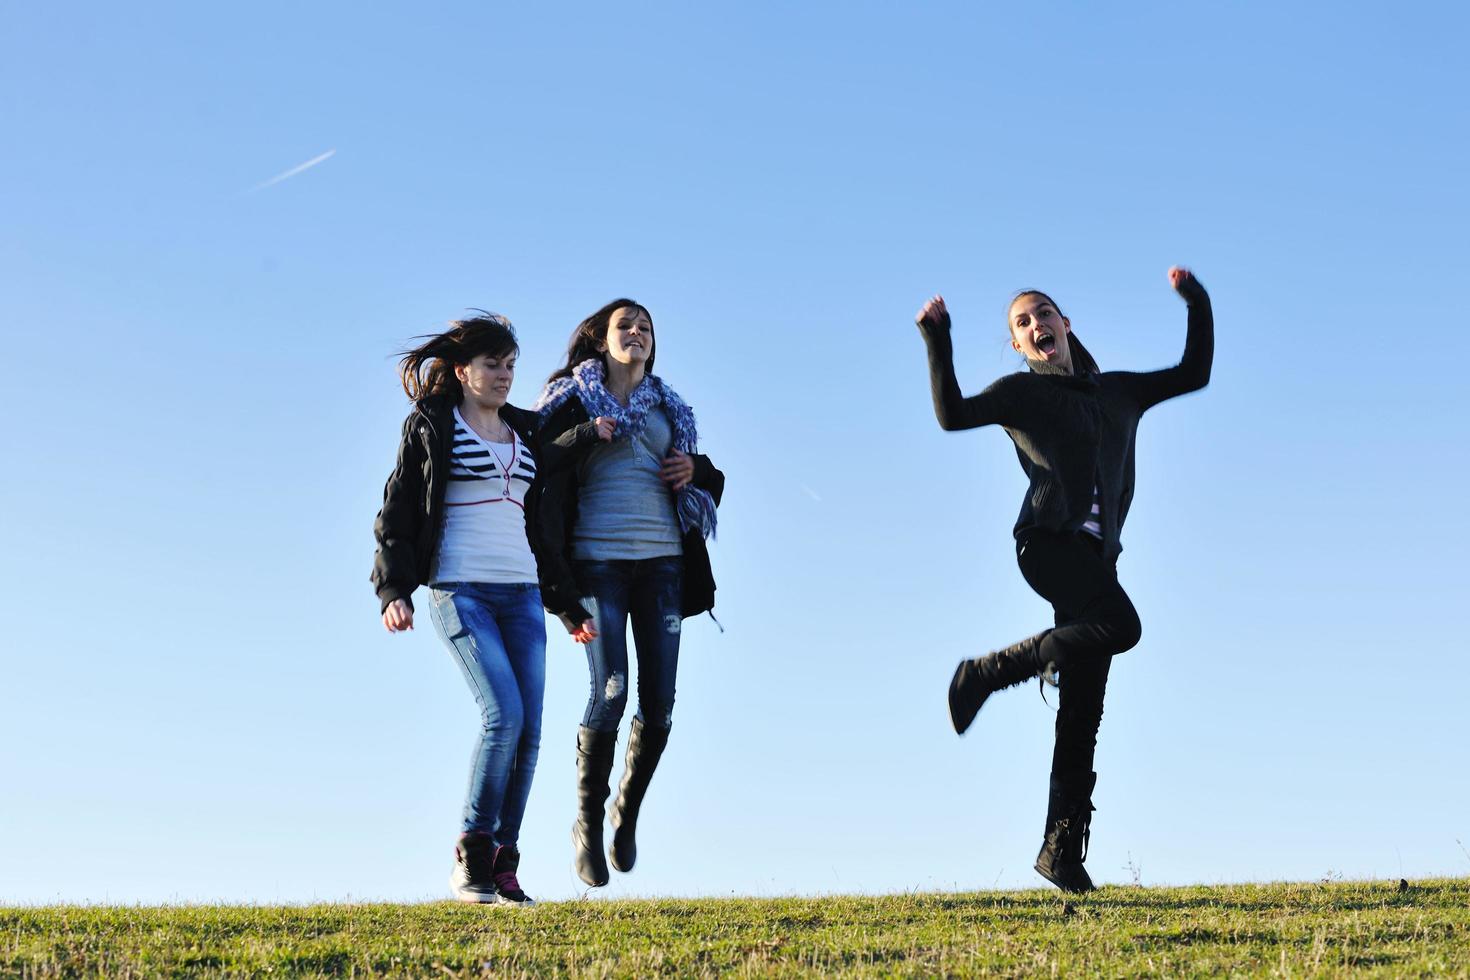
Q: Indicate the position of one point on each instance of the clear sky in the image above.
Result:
(199, 700)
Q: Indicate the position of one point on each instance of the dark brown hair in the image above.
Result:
(428, 369)
(1082, 360)
(591, 336)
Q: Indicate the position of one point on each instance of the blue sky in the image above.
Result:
(200, 702)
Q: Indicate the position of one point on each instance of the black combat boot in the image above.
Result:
(645, 747)
(594, 765)
(975, 680)
(1068, 827)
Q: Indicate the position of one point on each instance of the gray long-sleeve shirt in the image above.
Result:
(624, 511)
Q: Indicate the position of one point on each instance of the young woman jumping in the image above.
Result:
(455, 517)
(627, 507)
(1073, 427)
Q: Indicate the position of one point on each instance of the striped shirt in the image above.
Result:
(485, 511)
(1093, 525)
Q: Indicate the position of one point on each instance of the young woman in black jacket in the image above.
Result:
(1073, 428)
(455, 517)
(627, 507)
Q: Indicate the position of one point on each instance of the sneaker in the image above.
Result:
(507, 888)
(473, 879)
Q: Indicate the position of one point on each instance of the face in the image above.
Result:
(629, 336)
(487, 379)
(1040, 332)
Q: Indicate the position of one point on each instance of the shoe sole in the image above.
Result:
(511, 903)
(1066, 888)
(462, 894)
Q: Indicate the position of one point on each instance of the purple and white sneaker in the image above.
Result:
(507, 888)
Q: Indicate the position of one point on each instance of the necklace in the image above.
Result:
(503, 437)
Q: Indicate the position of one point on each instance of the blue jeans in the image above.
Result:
(498, 635)
(650, 590)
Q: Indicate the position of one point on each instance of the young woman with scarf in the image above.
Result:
(628, 504)
(456, 517)
(1073, 428)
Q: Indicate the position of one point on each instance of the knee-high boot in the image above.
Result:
(645, 748)
(1068, 828)
(975, 680)
(594, 765)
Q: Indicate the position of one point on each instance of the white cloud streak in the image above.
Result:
(295, 170)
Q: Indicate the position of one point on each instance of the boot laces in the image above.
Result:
(1047, 678)
(508, 885)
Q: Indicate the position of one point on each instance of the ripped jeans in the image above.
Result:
(650, 591)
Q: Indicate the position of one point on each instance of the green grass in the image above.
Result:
(1297, 930)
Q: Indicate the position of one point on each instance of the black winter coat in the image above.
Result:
(411, 523)
(1073, 433)
(566, 436)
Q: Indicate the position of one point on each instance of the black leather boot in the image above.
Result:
(594, 765)
(1068, 827)
(975, 680)
(645, 748)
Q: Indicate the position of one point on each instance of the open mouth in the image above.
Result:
(1047, 344)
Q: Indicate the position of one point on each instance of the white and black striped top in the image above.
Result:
(484, 514)
(1093, 524)
(473, 460)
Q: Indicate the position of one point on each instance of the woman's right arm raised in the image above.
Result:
(954, 410)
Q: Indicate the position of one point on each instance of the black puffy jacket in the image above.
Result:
(411, 522)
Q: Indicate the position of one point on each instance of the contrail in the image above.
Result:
(294, 170)
(811, 493)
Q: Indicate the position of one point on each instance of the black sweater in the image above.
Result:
(411, 523)
(1073, 433)
(567, 434)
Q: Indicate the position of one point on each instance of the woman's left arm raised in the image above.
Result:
(1193, 370)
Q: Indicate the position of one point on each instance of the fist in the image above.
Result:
(933, 314)
(585, 633)
(605, 427)
(1178, 276)
(398, 616)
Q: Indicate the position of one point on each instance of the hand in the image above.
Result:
(934, 314)
(398, 616)
(585, 633)
(605, 427)
(1178, 276)
(677, 470)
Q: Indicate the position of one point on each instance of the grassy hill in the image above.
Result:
(1316, 929)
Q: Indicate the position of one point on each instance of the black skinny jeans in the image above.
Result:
(1095, 620)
